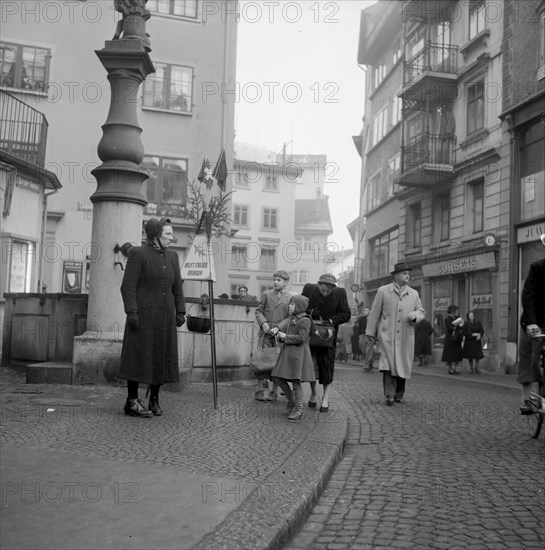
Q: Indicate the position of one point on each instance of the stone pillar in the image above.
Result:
(117, 205)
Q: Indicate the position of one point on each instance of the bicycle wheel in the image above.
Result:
(535, 420)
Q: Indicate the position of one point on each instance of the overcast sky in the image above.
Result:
(300, 84)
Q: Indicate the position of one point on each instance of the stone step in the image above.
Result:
(49, 372)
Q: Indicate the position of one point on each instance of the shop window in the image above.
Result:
(24, 67)
(22, 259)
(442, 298)
(169, 88)
(481, 303)
(532, 170)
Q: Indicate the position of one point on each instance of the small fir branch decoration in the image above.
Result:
(212, 219)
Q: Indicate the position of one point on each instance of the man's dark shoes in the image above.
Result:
(135, 407)
(312, 404)
(389, 401)
(398, 398)
(155, 408)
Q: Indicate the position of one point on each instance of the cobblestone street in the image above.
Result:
(452, 467)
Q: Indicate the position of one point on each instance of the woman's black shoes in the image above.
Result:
(155, 408)
(135, 407)
(324, 409)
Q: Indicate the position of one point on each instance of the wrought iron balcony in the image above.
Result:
(428, 159)
(23, 130)
(430, 75)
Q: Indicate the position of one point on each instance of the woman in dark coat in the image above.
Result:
(330, 303)
(473, 344)
(422, 341)
(154, 304)
(452, 347)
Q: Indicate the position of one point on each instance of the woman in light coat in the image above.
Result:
(396, 308)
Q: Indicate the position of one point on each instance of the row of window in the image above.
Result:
(245, 178)
(27, 68)
(381, 185)
(269, 219)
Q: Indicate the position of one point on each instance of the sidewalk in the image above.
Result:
(79, 474)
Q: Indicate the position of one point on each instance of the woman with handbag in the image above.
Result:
(452, 347)
(295, 360)
(328, 307)
(473, 343)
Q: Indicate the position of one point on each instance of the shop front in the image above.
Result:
(471, 283)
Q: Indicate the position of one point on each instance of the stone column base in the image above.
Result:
(96, 358)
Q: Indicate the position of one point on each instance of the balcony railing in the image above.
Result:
(429, 149)
(23, 130)
(435, 58)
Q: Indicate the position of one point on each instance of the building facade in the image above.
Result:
(453, 203)
(523, 150)
(275, 229)
(49, 62)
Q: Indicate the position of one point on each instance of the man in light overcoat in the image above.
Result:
(396, 309)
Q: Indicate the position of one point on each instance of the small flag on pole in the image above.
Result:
(220, 171)
(205, 175)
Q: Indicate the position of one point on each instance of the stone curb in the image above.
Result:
(274, 510)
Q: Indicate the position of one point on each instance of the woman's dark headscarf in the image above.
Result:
(153, 229)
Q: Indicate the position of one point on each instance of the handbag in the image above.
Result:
(323, 334)
(457, 335)
(263, 360)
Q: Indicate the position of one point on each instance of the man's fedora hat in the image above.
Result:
(401, 266)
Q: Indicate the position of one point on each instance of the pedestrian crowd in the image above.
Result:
(313, 329)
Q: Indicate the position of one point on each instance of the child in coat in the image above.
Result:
(295, 361)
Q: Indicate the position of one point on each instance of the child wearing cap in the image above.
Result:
(272, 308)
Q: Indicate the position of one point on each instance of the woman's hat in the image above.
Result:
(328, 279)
(401, 266)
(154, 227)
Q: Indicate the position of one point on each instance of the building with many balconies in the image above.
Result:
(447, 213)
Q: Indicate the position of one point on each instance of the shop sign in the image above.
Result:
(441, 304)
(530, 233)
(475, 262)
(481, 301)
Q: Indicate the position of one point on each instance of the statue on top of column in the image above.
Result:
(133, 23)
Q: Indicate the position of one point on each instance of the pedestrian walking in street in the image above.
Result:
(355, 341)
(330, 303)
(295, 360)
(367, 344)
(272, 308)
(154, 303)
(532, 323)
(395, 310)
(454, 334)
(344, 341)
(473, 342)
(422, 341)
